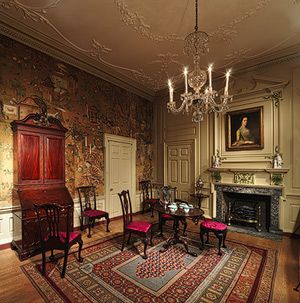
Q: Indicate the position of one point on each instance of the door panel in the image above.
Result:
(119, 174)
(181, 168)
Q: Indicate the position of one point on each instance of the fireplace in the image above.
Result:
(256, 206)
(248, 209)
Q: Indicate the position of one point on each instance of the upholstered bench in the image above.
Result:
(218, 228)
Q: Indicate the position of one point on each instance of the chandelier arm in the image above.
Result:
(172, 108)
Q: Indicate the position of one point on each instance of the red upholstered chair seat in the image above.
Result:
(167, 217)
(63, 235)
(213, 225)
(141, 226)
(94, 213)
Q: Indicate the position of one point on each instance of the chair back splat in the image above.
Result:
(147, 195)
(86, 193)
(54, 229)
(53, 219)
(169, 193)
(126, 207)
(88, 208)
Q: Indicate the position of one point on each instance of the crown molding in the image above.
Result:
(34, 39)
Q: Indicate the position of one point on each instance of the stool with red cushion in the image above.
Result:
(218, 228)
(91, 214)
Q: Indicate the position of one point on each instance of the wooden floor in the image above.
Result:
(15, 287)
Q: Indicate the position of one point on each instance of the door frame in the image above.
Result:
(120, 139)
(192, 142)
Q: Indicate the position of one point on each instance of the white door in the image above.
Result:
(120, 171)
(181, 168)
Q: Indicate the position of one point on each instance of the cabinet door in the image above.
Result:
(54, 159)
(31, 158)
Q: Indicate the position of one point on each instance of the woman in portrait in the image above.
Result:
(243, 134)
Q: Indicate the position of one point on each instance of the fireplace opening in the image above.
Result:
(247, 210)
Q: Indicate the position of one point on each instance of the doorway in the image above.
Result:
(181, 167)
(120, 171)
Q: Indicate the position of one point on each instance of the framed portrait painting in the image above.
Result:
(244, 129)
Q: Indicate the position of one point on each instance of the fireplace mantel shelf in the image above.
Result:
(248, 175)
(250, 170)
(248, 185)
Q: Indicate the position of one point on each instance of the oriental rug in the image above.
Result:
(244, 273)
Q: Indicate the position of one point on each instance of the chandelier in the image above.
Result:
(204, 101)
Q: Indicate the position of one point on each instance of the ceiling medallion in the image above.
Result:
(200, 102)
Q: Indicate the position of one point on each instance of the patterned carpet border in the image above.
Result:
(244, 273)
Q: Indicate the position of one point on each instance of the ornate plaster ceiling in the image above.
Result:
(139, 43)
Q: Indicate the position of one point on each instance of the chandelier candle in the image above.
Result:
(226, 84)
(171, 90)
(185, 71)
(209, 78)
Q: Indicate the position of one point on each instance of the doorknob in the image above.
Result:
(111, 189)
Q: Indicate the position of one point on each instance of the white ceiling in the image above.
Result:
(140, 42)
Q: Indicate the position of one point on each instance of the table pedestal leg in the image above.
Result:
(176, 239)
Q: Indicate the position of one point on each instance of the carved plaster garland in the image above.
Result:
(136, 21)
(225, 32)
(165, 60)
(97, 50)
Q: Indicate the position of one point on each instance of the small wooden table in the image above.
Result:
(199, 197)
(179, 215)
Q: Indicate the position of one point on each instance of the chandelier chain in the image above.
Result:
(196, 26)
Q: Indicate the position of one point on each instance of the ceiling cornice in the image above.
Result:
(34, 39)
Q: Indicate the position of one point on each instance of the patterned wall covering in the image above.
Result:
(86, 105)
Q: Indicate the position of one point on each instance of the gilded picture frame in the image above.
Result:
(244, 129)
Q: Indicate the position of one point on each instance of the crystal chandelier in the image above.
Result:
(207, 100)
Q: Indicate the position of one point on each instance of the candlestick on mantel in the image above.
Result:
(185, 72)
(90, 148)
(85, 141)
(209, 77)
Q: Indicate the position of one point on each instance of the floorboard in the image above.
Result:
(15, 287)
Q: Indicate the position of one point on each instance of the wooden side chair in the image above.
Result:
(141, 228)
(218, 228)
(148, 195)
(88, 208)
(54, 223)
(168, 194)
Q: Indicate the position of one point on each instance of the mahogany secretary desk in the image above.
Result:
(39, 176)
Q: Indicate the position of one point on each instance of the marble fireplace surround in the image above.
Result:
(273, 192)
